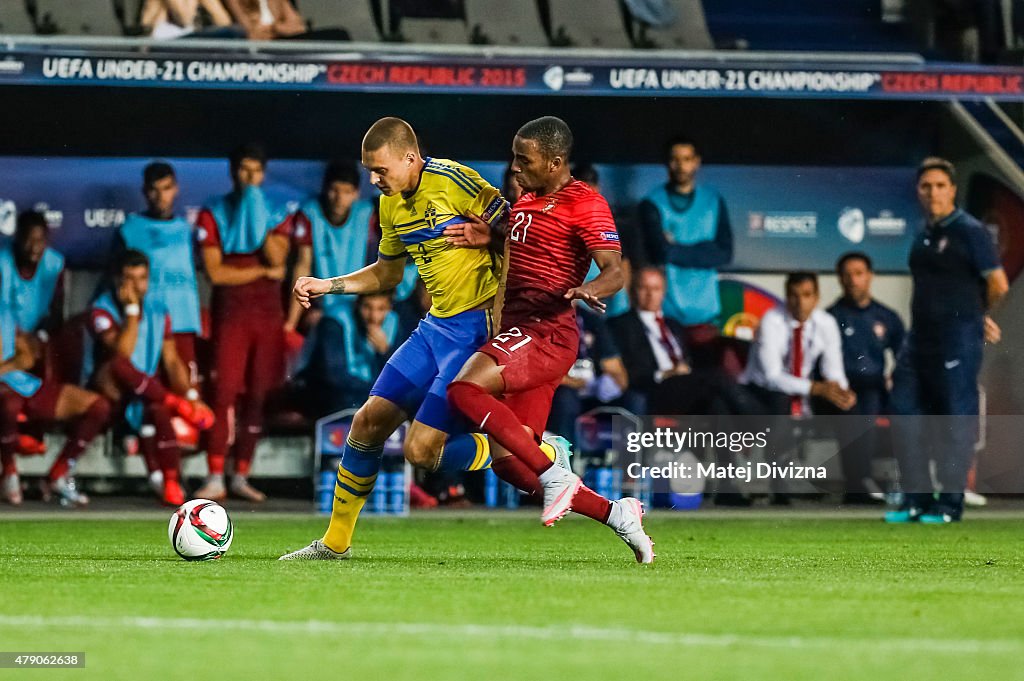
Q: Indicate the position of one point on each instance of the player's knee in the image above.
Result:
(422, 452)
(100, 409)
(368, 426)
(462, 393)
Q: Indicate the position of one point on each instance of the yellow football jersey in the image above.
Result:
(458, 279)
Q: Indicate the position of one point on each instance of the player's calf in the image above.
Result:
(423, 452)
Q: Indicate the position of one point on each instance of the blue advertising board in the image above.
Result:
(783, 217)
(483, 73)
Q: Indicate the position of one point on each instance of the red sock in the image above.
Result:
(591, 504)
(498, 421)
(147, 445)
(215, 462)
(10, 406)
(85, 429)
(514, 472)
(248, 430)
(167, 453)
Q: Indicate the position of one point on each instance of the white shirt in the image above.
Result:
(661, 356)
(771, 361)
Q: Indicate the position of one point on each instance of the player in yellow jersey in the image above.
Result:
(421, 198)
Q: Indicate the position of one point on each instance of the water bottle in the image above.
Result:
(511, 495)
(491, 483)
(325, 491)
(645, 492)
(616, 488)
(378, 501)
(396, 493)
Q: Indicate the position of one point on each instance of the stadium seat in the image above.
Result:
(688, 32)
(355, 16)
(601, 25)
(499, 22)
(434, 31)
(14, 19)
(80, 17)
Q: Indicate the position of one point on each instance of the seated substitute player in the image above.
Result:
(556, 228)
(22, 393)
(421, 198)
(133, 339)
(31, 276)
(168, 240)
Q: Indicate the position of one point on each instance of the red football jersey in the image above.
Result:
(262, 295)
(551, 238)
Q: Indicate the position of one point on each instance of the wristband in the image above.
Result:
(132, 310)
(192, 395)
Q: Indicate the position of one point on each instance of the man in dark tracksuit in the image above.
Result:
(868, 329)
(957, 279)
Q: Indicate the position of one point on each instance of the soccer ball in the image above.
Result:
(200, 530)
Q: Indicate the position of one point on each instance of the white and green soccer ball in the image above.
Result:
(200, 530)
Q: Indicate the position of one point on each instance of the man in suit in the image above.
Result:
(662, 379)
(794, 344)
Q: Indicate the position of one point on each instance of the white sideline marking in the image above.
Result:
(572, 632)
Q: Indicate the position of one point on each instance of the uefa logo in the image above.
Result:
(851, 224)
(8, 217)
(554, 77)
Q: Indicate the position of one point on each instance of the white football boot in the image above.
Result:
(317, 551)
(156, 483)
(626, 518)
(241, 488)
(11, 489)
(560, 488)
(212, 489)
(66, 490)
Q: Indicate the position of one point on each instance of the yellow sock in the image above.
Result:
(484, 452)
(548, 450)
(350, 493)
(482, 459)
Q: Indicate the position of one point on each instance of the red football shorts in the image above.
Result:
(41, 407)
(536, 355)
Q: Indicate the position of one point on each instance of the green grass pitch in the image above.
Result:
(775, 596)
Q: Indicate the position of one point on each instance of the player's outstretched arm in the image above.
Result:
(475, 233)
(383, 275)
(604, 284)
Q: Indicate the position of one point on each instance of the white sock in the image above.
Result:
(615, 515)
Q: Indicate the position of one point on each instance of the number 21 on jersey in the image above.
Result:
(513, 334)
(520, 224)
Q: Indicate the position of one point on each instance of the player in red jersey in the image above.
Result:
(245, 237)
(555, 229)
